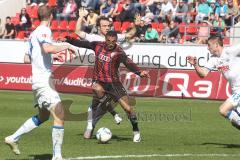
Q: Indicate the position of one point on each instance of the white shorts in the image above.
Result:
(234, 99)
(46, 97)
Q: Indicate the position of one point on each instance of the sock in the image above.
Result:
(89, 118)
(134, 122)
(57, 139)
(29, 125)
(233, 116)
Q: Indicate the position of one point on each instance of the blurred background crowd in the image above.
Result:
(158, 21)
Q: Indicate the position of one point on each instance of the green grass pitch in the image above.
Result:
(172, 129)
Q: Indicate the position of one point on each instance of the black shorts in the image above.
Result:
(114, 89)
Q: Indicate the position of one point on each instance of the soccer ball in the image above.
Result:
(104, 135)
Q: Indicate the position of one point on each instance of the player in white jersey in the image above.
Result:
(103, 25)
(46, 98)
(225, 60)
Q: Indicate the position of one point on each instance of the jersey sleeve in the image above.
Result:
(130, 64)
(45, 35)
(82, 44)
(211, 64)
(93, 37)
(233, 50)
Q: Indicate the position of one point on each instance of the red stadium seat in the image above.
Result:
(182, 28)
(117, 26)
(226, 41)
(51, 3)
(63, 25)
(15, 20)
(54, 25)
(35, 24)
(63, 34)
(56, 35)
(72, 25)
(160, 27)
(20, 35)
(155, 25)
(34, 12)
(73, 35)
(125, 25)
(192, 28)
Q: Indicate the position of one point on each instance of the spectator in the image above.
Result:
(181, 12)
(9, 31)
(166, 10)
(68, 10)
(128, 12)
(155, 8)
(173, 36)
(141, 29)
(1, 28)
(212, 6)
(38, 2)
(151, 35)
(25, 21)
(91, 21)
(203, 32)
(231, 13)
(211, 18)
(202, 11)
(219, 25)
(175, 6)
(107, 9)
(118, 8)
(165, 32)
(221, 9)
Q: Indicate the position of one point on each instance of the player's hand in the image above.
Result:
(144, 74)
(192, 60)
(73, 51)
(58, 57)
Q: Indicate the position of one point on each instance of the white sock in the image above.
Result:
(89, 118)
(234, 117)
(57, 139)
(29, 125)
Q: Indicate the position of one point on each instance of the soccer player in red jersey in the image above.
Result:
(108, 57)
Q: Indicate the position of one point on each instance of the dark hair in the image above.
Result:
(216, 38)
(44, 12)
(8, 17)
(111, 34)
(149, 26)
(101, 19)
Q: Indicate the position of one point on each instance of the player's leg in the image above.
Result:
(57, 111)
(121, 96)
(26, 127)
(102, 95)
(228, 110)
(124, 102)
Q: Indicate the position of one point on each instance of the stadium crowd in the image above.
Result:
(159, 21)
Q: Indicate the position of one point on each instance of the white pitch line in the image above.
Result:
(156, 155)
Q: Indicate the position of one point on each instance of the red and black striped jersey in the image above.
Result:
(107, 62)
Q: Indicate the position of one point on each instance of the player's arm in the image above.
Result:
(82, 44)
(234, 50)
(53, 49)
(201, 71)
(27, 58)
(132, 66)
(78, 29)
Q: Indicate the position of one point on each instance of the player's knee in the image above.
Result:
(223, 112)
